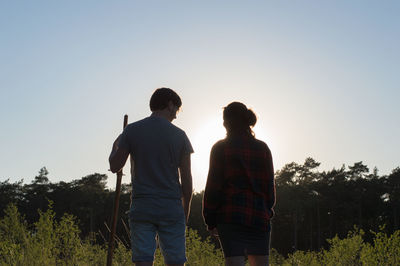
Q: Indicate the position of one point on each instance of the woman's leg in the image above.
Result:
(256, 260)
(260, 246)
(231, 245)
(234, 261)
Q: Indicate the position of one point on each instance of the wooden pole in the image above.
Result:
(115, 213)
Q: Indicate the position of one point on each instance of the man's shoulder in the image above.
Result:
(139, 128)
(153, 120)
(156, 124)
(177, 129)
(137, 123)
(147, 122)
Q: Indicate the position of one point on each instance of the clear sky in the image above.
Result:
(322, 76)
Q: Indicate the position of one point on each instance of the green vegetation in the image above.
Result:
(52, 242)
(312, 208)
(352, 250)
(57, 242)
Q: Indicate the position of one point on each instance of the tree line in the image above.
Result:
(312, 206)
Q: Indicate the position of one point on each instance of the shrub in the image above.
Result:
(201, 252)
(275, 258)
(51, 242)
(58, 243)
(299, 257)
(344, 251)
(14, 237)
(384, 251)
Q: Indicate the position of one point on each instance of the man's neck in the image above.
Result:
(161, 113)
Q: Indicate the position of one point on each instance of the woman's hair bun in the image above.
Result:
(251, 117)
(239, 119)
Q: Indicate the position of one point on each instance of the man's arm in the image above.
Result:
(187, 184)
(117, 157)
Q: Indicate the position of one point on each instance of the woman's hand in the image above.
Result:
(214, 232)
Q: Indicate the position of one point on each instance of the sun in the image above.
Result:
(207, 134)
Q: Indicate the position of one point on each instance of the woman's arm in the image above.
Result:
(270, 183)
(212, 194)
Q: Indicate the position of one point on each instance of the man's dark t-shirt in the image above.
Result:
(156, 147)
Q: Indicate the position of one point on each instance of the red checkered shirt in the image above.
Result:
(240, 184)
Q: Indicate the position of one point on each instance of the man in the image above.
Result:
(160, 155)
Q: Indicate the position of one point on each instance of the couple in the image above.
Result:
(239, 195)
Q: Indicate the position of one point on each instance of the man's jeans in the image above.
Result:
(147, 220)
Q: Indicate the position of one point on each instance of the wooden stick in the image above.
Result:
(116, 238)
(116, 206)
(126, 228)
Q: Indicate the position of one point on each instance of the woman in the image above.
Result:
(240, 192)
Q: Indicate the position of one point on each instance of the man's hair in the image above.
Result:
(161, 97)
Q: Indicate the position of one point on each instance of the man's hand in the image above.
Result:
(186, 182)
(186, 209)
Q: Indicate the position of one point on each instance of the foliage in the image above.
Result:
(52, 242)
(384, 251)
(345, 251)
(352, 250)
(56, 242)
(201, 252)
(14, 237)
(275, 258)
(49, 242)
(300, 257)
(312, 206)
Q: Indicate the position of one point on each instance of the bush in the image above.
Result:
(48, 243)
(345, 251)
(201, 252)
(51, 242)
(14, 237)
(352, 250)
(275, 258)
(303, 258)
(385, 251)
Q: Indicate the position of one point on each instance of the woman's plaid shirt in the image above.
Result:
(240, 185)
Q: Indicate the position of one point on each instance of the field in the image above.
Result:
(57, 242)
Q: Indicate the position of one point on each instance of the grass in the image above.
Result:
(52, 242)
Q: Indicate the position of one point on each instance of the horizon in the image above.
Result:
(112, 187)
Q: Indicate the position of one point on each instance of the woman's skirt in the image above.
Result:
(241, 240)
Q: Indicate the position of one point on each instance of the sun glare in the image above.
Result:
(209, 132)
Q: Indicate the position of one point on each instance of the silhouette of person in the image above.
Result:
(240, 192)
(160, 156)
